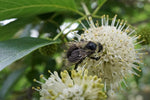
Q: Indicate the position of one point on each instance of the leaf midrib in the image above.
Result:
(32, 6)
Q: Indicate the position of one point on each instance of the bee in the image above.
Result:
(78, 51)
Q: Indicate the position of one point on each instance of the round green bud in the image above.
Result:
(145, 35)
(48, 50)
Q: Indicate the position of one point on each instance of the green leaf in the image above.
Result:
(33, 74)
(101, 2)
(23, 8)
(15, 49)
(10, 81)
(50, 65)
(10, 29)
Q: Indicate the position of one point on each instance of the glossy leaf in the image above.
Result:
(10, 81)
(13, 50)
(23, 8)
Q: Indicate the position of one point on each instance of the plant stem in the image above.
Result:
(88, 14)
(80, 13)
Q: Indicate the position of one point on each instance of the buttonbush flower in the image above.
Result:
(118, 56)
(78, 86)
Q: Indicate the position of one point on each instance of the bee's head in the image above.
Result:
(93, 46)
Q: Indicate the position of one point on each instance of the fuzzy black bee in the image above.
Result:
(78, 51)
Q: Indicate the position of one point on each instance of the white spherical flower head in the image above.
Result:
(118, 55)
(78, 86)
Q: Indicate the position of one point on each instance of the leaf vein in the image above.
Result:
(32, 6)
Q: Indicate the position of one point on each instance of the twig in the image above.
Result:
(87, 13)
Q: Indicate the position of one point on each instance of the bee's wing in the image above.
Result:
(77, 55)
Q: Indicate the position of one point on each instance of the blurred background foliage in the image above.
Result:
(45, 20)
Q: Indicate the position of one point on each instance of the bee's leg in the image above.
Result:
(95, 58)
(78, 63)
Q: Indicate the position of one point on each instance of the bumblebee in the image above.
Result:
(78, 51)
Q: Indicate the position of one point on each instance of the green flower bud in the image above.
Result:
(145, 35)
(48, 50)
